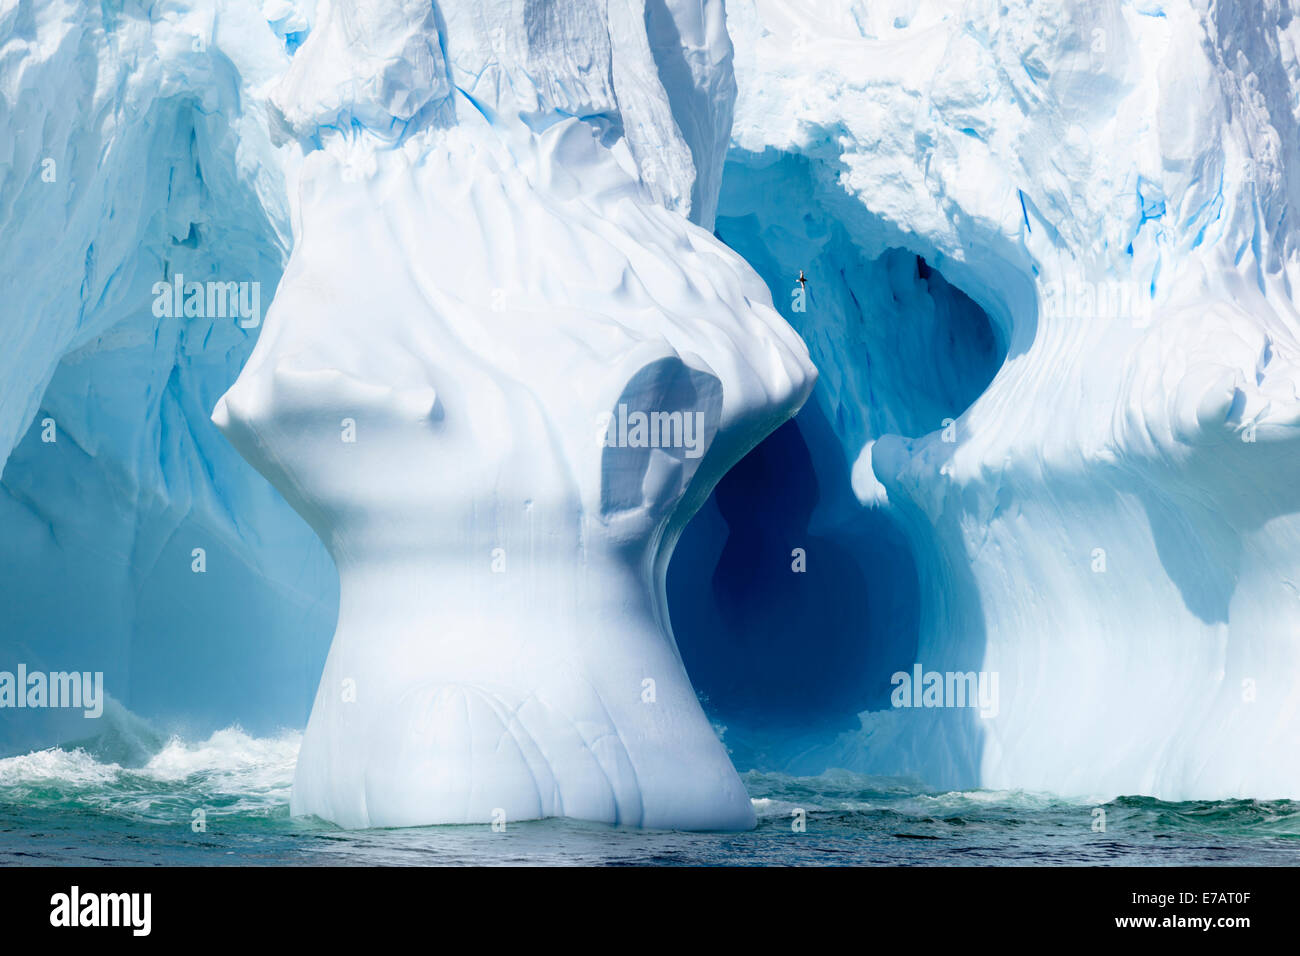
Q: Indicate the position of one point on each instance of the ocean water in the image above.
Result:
(72, 807)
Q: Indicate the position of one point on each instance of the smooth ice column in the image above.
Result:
(448, 389)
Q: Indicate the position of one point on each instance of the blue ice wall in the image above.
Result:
(99, 528)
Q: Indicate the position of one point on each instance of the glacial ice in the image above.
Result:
(132, 149)
(453, 324)
(1054, 434)
(1112, 528)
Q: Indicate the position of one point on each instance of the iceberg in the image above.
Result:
(1095, 485)
(473, 294)
(527, 398)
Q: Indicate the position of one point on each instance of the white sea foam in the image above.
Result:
(230, 771)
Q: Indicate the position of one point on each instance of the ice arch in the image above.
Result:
(1113, 532)
(787, 659)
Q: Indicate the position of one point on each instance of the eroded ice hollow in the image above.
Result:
(1112, 525)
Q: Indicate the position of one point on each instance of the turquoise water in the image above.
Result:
(70, 807)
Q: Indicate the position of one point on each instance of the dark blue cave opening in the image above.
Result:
(786, 659)
(781, 655)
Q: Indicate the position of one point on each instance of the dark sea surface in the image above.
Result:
(70, 807)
